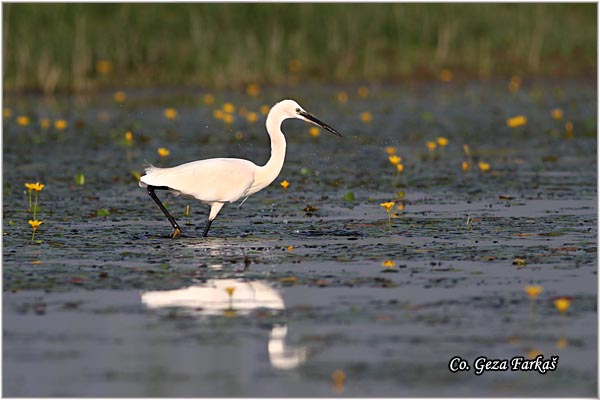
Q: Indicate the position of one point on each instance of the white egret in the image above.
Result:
(217, 181)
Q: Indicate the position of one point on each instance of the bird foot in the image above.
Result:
(176, 233)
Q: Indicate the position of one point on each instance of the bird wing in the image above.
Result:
(212, 180)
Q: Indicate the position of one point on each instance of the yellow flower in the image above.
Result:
(128, 137)
(400, 207)
(218, 114)
(569, 129)
(35, 223)
(229, 108)
(394, 159)
(533, 291)
(388, 205)
(465, 165)
(252, 117)
(515, 84)
(483, 166)
(562, 304)
(442, 141)
(104, 66)
(290, 248)
(6, 112)
(23, 120)
(338, 377)
(516, 121)
(294, 66)
(519, 261)
(230, 290)
(557, 114)
(35, 186)
(399, 168)
(342, 97)
(60, 124)
(314, 131)
(388, 264)
(431, 145)
(284, 184)
(239, 135)
(264, 109)
(562, 342)
(390, 150)
(253, 89)
(170, 113)
(163, 152)
(533, 353)
(446, 75)
(208, 99)
(363, 91)
(228, 118)
(366, 117)
(45, 123)
(120, 96)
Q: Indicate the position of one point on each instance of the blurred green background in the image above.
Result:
(79, 47)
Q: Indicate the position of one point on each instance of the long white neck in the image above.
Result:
(268, 172)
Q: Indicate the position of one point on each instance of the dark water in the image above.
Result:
(102, 303)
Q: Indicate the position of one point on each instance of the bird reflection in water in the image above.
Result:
(232, 297)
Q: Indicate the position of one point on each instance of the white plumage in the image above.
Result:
(217, 181)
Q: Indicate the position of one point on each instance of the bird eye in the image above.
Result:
(298, 110)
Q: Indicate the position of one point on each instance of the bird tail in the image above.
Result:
(148, 169)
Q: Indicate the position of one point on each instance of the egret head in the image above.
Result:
(291, 109)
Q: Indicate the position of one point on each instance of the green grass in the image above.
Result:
(53, 47)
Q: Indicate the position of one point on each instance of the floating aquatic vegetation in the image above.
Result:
(80, 179)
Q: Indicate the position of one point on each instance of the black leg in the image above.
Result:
(176, 228)
(207, 227)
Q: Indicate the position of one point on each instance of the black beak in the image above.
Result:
(315, 121)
